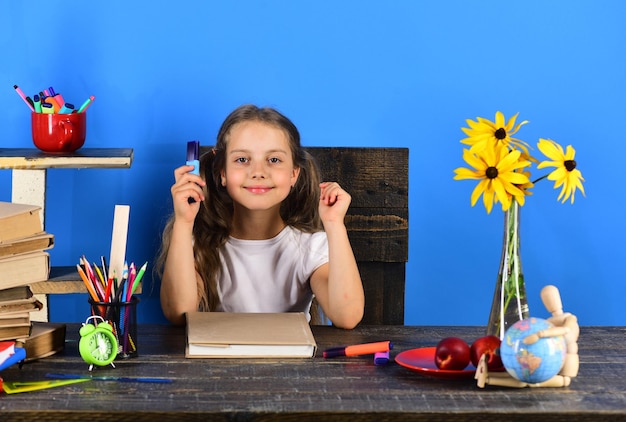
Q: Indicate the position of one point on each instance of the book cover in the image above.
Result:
(248, 335)
(16, 293)
(19, 220)
(18, 307)
(46, 339)
(14, 332)
(16, 303)
(17, 318)
(24, 269)
(7, 348)
(18, 355)
(39, 242)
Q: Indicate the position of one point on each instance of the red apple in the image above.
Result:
(489, 345)
(452, 353)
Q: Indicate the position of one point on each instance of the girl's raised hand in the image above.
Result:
(187, 193)
(334, 203)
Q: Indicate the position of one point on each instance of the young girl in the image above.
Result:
(257, 231)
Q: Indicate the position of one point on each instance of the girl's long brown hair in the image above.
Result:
(213, 222)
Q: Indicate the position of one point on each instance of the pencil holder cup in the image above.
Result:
(123, 317)
(59, 133)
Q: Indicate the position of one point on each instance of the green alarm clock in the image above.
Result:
(97, 345)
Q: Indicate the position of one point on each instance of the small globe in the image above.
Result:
(532, 363)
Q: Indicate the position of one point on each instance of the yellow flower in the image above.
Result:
(495, 166)
(566, 174)
(483, 132)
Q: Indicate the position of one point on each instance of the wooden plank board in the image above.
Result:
(317, 389)
(377, 221)
(64, 279)
(384, 285)
(374, 177)
(34, 159)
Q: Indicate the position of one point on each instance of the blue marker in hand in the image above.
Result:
(193, 156)
(193, 159)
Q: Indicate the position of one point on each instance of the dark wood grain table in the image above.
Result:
(314, 389)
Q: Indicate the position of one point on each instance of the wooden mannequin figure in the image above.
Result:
(565, 324)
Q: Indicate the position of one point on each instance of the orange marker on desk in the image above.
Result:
(359, 349)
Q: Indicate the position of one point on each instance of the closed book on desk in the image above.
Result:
(24, 269)
(249, 335)
(45, 339)
(14, 332)
(18, 221)
(38, 242)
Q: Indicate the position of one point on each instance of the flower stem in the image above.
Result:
(509, 304)
(540, 179)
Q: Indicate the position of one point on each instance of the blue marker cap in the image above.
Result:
(47, 108)
(67, 108)
(381, 358)
(37, 103)
(193, 155)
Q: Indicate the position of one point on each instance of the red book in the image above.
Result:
(18, 356)
(7, 348)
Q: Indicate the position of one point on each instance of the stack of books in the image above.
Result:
(45, 339)
(16, 304)
(23, 261)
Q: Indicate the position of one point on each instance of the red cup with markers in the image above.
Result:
(59, 133)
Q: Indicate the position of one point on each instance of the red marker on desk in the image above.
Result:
(359, 349)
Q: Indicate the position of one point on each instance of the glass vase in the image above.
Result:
(510, 303)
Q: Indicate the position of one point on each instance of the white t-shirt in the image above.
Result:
(270, 275)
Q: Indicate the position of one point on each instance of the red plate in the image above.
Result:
(423, 361)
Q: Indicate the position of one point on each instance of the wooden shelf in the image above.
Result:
(29, 168)
(33, 159)
(63, 280)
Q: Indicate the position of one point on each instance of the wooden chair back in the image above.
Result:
(377, 221)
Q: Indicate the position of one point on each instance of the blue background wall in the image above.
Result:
(354, 73)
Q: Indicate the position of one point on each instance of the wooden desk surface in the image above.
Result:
(315, 389)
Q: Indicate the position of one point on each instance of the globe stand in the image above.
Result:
(565, 324)
(503, 379)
